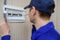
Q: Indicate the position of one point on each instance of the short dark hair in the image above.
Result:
(46, 15)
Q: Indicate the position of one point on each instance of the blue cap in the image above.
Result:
(42, 5)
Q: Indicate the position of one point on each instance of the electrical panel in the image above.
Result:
(14, 14)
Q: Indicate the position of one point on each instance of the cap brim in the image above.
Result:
(27, 7)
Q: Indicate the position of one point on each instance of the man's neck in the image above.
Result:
(40, 23)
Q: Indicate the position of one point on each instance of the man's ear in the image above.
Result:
(34, 10)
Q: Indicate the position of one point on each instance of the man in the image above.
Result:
(40, 12)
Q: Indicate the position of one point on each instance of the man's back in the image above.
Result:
(49, 35)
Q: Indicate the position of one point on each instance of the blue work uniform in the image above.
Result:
(6, 37)
(46, 32)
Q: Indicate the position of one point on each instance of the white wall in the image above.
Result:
(58, 15)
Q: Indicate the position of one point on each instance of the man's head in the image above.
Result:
(41, 9)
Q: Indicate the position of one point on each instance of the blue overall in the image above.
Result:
(46, 32)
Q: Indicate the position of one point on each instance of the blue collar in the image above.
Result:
(42, 29)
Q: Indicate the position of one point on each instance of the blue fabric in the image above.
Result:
(46, 32)
(6, 37)
(42, 5)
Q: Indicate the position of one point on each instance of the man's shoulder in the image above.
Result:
(50, 35)
(52, 32)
